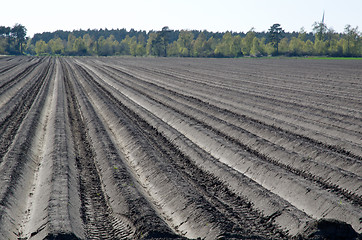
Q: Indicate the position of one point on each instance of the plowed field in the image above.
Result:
(130, 148)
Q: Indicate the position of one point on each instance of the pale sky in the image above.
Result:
(213, 15)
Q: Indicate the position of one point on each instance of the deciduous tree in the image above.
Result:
(56, 46)
(79, 48)
(296, 46)
(247, 42)
(320, 29)
(149, 46)
(41, 48)
(302, 35)
(257, 48)
(198, 49)
(184, 42)
(283, 46)
(352, 37)
(308, 48)
(207, 44)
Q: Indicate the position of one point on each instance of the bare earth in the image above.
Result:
(160, 148)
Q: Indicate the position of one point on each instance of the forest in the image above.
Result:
(323, 41)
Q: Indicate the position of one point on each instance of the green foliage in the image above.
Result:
(151, 39)
(247, 43)
(3, 45)
(70, 44)
(158, 44)
(56, 46)
(320, 29)
(12, 40)
(275, 34)
(89, 44)
(336, 48)
(184, 43)
(198, 49)
(236, 46)
(296, 46)
(172, 49)
(283, 47)
(353, 41)
(269, 49)
(187, 43)
(320, 47)
(104, 46)
(258, 47)
(41, 48)
(302, 35)
(308, 48)
(18, 32)
(223, 48)
(79, 47)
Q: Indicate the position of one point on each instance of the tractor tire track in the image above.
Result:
(19, 161)
(121, 188)
(155, 138)
(248, 220)
(225, 101)
(157, 96)
(96, 212)
(129, 148)
(12, 113)
(255, 153)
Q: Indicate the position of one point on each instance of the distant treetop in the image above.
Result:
(184, 43)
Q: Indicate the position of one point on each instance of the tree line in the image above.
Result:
(12, 39)
(184, 43)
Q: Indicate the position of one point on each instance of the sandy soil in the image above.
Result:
(145, 148)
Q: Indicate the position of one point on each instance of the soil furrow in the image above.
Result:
(321, 110)
(125, 197)
(222, 126)
(250, 76)
(14, 79)
(243, 116)
(213, 190)
(216, 218)
(286, 139)
(269, 206)
(12, 115)
(96, 212)
(176, 148)
(20, 162)
(256, 165)
(55, 204)
(280, 120)
(227, 118)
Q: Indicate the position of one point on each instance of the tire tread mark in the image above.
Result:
(10, 124)
(320, 144)
(347, 195)
(95, 210)
(226, 202)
